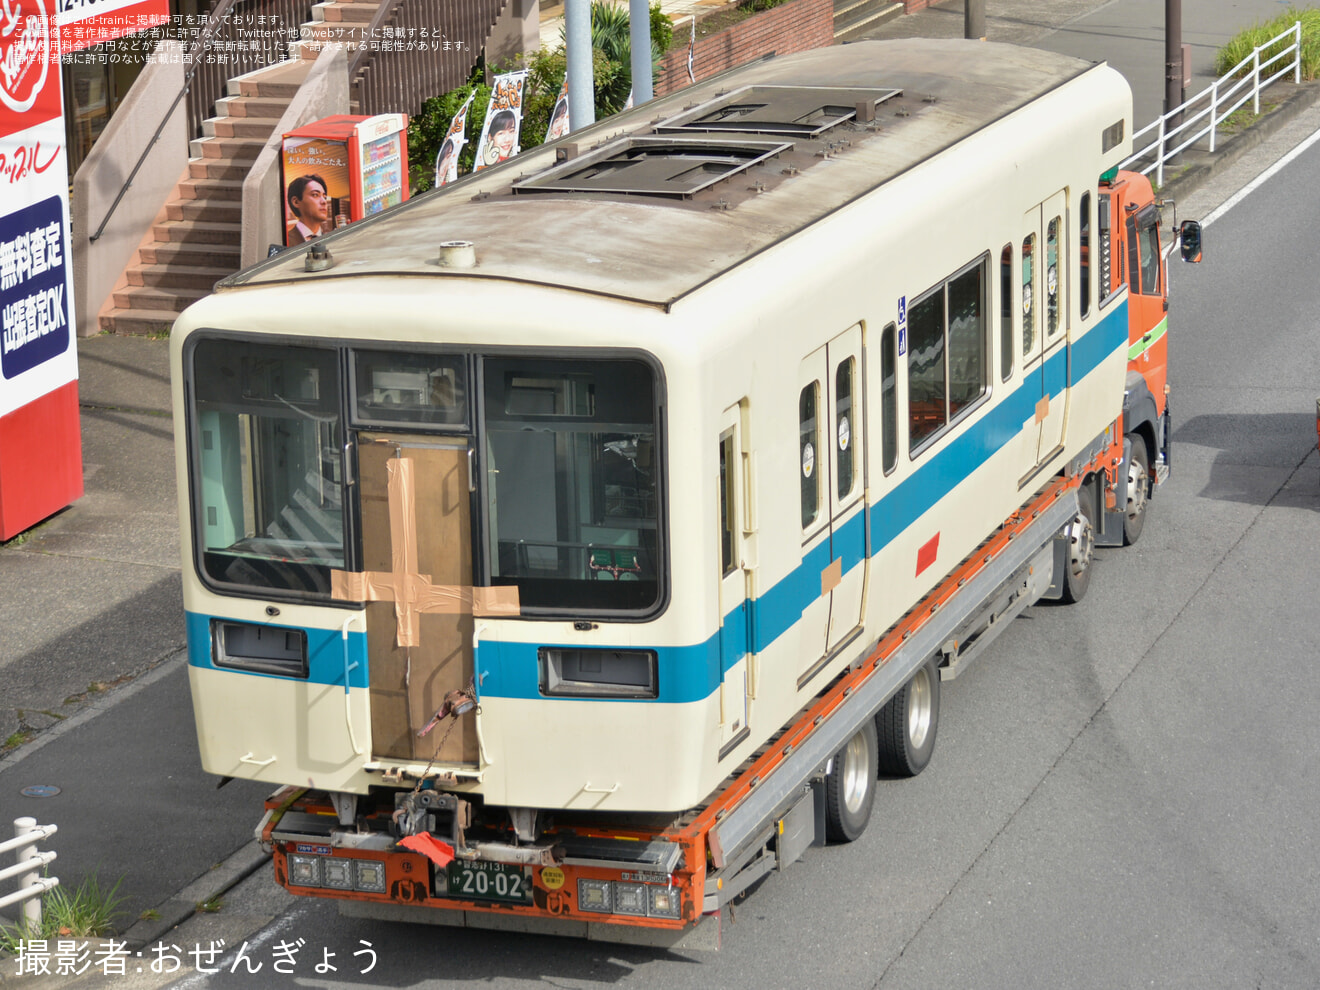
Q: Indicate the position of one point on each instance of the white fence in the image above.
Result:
(1203, 113)
(31, 884)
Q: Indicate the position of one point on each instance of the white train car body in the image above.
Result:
(665, 459)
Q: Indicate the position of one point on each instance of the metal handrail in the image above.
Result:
(1218, 107)
(214, 19)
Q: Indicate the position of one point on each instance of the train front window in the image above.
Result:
(572, 483)
(267, 449)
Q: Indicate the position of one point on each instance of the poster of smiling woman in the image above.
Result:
(446, 161)
(499, 135)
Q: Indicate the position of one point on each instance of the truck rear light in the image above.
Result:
(664, 902)
(639, 900)
(337, 874)
(597, 673)
(305, 871)
(262, 649)
(594, 895)
(370, 876)
(630, 898)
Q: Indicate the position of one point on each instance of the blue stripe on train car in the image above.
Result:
(691, 673)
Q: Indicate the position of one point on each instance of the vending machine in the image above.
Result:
(340, 169)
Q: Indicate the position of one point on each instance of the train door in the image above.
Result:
(736, 534)
(832, 471)
(847, 482)
(1045, 320)
(417, 554)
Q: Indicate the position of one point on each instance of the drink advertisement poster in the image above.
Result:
(499, 135)
(446, 161)
(316, 187)
(559, 124)
(40, 446)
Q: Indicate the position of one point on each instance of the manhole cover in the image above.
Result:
(40, 790)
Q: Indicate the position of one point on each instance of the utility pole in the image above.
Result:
(639, 37)
(974, 19)
(581, 83)
(1173, 60)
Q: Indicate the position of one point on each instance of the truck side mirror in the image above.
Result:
(1189, 232)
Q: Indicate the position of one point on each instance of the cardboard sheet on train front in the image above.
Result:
(408, 684)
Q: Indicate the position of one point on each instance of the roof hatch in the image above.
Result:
(790, 111)
(654, 166)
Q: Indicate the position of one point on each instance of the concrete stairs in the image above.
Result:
(854, 18)
(195, 240)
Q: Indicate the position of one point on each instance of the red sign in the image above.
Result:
(29, 66)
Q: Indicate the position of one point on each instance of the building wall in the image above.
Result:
(797, 26)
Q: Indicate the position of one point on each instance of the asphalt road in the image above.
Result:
(1124, 791)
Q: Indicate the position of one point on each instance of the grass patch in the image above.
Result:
(88, 912)
(16, 740)
(1242, 44)
(211, 906)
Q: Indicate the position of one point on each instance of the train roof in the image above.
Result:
(651, 204)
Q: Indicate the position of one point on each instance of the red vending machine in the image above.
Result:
(340, 169)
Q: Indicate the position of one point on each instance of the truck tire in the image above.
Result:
(1138, 491)
(1080, 535)
(907, 724)
(850, 786)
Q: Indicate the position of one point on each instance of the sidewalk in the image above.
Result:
(91, 623)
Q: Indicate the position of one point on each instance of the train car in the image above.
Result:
(564, 488)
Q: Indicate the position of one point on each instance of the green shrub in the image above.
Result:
(87, 912)
(611, 68)
(1241, 45)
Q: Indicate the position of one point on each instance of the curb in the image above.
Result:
(1303, 97)
(219, 880)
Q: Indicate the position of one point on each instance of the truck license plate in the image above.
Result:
(490, 882)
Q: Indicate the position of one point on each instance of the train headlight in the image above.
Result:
(598, 673)
(594, 895)
(305, 871)
(370, 876)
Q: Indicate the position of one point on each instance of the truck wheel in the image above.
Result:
(906, 725)
(850, 786)
(1080, 534)
(1138, 491)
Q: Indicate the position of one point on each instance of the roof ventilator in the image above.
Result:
(787, 111)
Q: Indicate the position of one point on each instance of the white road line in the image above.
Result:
(1260, 180)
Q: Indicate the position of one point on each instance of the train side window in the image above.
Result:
(1006, 312)
(889, 397)
(1054, 274)
(947, 333)
(967, 336)
(1028, 294)
(1084, 256)
(927, 412)
(843, 424)
(809, 451)
(728, 462)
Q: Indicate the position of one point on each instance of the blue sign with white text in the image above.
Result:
(34, 308)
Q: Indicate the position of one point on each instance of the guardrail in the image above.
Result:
(31, 885)
(1214, 103)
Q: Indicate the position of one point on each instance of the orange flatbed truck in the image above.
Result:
(664, 880)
